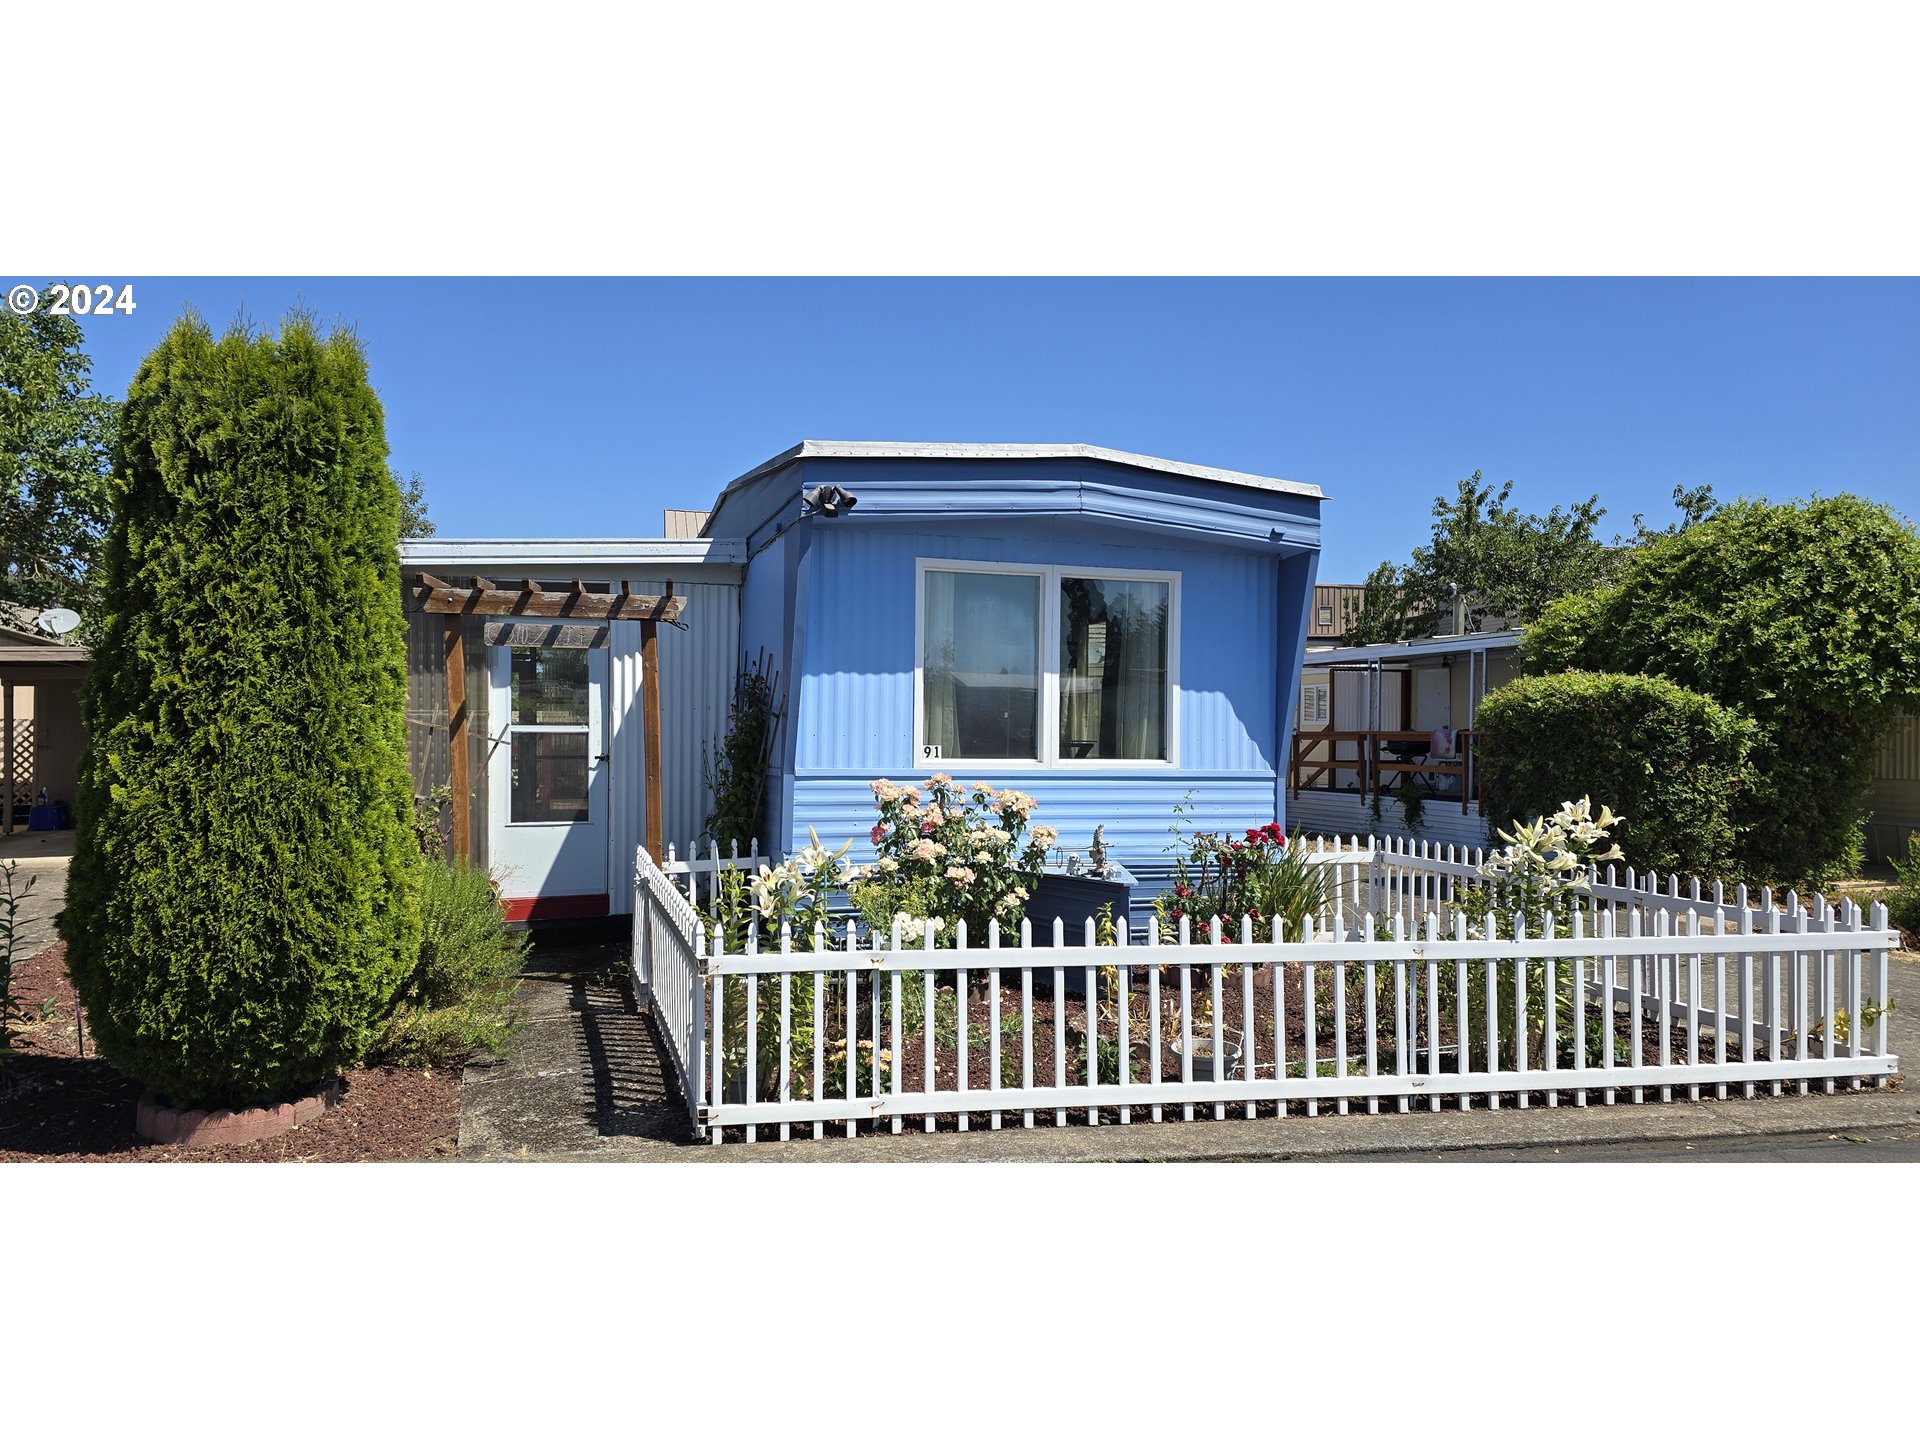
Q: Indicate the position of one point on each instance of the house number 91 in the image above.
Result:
(929, 752)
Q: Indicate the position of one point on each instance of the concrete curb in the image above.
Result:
(1324, 1137)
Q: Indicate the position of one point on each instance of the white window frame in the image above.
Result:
(1316, 702)
(500, 682)
(1046, 663)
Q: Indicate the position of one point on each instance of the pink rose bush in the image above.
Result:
(949, 852)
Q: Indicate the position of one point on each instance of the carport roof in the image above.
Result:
(44, 654)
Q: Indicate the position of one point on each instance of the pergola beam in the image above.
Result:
(431, 595)
(439, 598)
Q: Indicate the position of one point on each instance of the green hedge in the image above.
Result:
(244, 895)
(1673, 762)
(1804, 617)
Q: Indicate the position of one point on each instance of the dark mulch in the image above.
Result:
(57, 1105)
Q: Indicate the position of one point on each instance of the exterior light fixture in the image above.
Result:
(829, 500)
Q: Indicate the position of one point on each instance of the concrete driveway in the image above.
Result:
(41, 856)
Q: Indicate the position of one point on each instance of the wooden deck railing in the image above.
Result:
(1379, 758)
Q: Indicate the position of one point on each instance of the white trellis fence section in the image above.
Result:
(1390, 996)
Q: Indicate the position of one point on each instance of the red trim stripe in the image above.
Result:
(556, 907)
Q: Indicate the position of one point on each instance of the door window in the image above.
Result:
(550, 756)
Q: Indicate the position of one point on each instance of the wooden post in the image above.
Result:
(650, 733)
(457, 744)
(6, 738)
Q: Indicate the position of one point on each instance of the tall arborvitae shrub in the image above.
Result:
(244, 896)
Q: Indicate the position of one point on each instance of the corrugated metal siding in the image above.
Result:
(1136, 808)
(697, 670)
(1335, 597)
(1893, 800)
(697, 667)
(1330, 812)
(428, 759)
(856, 710)
(1899, 757)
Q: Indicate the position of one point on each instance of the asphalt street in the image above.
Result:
(1867, 1145)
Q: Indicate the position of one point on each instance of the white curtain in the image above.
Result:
(942, 721)
(1113, 669)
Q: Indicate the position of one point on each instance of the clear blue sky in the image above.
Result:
(582, 408)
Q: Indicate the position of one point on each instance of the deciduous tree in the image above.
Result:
(1804, 616)
(56, 434)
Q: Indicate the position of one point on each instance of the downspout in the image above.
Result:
(1295, 576)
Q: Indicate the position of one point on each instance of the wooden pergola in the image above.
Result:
(573, 603)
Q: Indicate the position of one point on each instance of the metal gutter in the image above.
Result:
(433, 551)
(1403, 649)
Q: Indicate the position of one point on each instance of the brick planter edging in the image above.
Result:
(198, 1129)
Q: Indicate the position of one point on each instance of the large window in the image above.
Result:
(1100, 690)
(981, 648)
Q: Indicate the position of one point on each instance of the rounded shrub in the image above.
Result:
(1803, 616)
(1673, 762)
(244, 895)
(461, 995)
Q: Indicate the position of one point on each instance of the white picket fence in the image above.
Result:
(1681, 993)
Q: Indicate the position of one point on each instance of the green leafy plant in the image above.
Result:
(462, 995)
(12, 896)
(736, 774)
(748, 911)
(56, 439)
(1539, 876)
(1805, 618)
(243, 899)
(1903, 905)
(1262, 877)
(949, 852)
(1498, 564)
(1405, 793)
(1870, 1014)
(1673, 759)
(430, 816)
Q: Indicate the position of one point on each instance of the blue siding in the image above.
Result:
(1160, 506)
(854, 719)
(835, 600)
(1136, 808)
(856, 710)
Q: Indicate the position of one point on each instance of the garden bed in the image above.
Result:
(1072, 1010)
(59, 1105)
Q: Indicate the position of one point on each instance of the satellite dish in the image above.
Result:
(57, 622)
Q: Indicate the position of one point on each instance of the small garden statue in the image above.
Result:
(1097, 853)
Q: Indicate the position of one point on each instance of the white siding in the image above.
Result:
(697, 669)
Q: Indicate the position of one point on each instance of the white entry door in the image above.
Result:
(547, 779)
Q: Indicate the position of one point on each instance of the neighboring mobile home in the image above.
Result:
(1368, 716)
(1376, 721)
(1115, 634)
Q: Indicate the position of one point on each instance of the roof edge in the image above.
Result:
(433, 550)
(1485, 640)
(994, 450)
(969, 450)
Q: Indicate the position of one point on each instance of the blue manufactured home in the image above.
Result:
(1115, 634)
